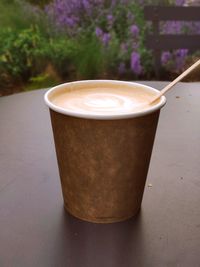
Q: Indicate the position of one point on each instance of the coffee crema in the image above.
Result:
(107, 100)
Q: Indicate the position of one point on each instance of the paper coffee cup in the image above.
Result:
(103, 160)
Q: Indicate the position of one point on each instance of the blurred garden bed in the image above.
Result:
(44, 43)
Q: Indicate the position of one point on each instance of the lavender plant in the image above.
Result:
(117, 25)
(83, 39)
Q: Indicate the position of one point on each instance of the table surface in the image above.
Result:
(35, 230)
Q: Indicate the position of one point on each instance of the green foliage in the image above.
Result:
(30, 43)
(60, 54)
(12, 15)
(22, 53)
(88, 57)
(41, 81)
(40, 3)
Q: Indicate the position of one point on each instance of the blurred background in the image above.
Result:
(46, 42)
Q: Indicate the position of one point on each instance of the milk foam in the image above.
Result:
(103, 100)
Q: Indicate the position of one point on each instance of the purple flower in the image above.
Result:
(68, 21)
(113, 3)
(179, 2)
(103, 36)
(135, 63)
(106, 38)
(86, 4)
(122, 68)
(180, 57)
(98, 32)
(181, 53)
(165, 57)
(110, 21)
(134, 30)
(110, 18)
(141, 2)
(172, 27)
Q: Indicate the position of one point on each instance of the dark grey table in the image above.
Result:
(36, 231)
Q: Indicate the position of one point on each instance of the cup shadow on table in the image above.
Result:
(84, 244)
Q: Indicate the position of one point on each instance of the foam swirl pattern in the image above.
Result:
(103, 101)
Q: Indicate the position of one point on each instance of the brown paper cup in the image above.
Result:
(103, 162)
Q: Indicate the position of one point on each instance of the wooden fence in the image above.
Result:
(159, 42)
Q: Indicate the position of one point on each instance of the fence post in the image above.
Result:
(157, 52)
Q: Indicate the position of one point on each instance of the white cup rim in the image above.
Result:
(89, 115)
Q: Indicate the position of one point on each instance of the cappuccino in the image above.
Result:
(103, 100)
(103, 133)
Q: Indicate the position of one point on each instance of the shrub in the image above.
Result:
(60, 53)
(118, 26)
(22, 53)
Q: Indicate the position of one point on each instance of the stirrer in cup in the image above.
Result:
(180, 77)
